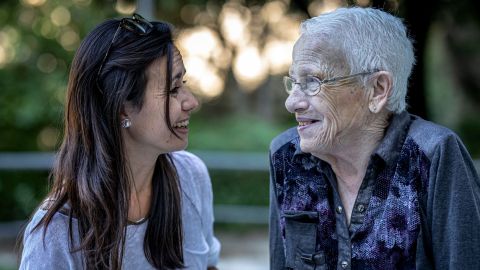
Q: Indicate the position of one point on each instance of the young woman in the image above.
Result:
(121, 196)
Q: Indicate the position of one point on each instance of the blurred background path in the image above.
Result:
(244, 250)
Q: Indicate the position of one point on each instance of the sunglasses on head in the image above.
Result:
(136, 24)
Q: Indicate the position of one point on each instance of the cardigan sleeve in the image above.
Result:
(277, 253)
(450, 236)
(201, 250)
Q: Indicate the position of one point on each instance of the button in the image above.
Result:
(361, 208)
(339, 209)
(319, 259)
(344, 264)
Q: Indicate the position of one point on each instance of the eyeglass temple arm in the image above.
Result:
(348, 76)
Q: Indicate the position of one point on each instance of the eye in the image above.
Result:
(311, 84)
(174, 91)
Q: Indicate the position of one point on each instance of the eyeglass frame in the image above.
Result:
(320, 82)
(133, 25)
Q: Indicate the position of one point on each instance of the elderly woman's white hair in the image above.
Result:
(371, 40)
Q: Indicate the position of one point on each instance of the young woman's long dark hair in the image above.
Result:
(90, 178)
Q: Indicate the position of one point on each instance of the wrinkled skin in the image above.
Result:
(346, 120)
(340, 108)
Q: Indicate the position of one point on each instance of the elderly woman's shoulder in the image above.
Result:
(285, 137)
(431, 136)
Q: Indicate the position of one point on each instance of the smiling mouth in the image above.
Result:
(182, 124)
(306, 123)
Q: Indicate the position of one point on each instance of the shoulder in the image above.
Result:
(193, 175)
(432, 138)
(58, 225)
(284, 138)
(49, 248)
(186, 159)
(188, 164)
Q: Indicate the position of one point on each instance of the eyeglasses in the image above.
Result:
(311, 85)
(137, 24)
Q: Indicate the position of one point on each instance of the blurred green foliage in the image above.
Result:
(21, 192)
(237, 132)
(244, 188)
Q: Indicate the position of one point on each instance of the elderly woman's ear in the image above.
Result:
(380, 85)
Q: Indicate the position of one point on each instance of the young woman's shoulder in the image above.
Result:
(50, 248)
(190, 166)
(187, 159)
(200, 245)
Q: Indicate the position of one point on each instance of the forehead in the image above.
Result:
(158, 68)
(316, 54)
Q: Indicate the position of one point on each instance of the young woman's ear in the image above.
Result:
(381, 84)
(126, 111)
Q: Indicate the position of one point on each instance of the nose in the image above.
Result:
(190, 102)
(296, 102)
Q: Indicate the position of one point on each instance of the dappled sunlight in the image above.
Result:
(200, 48)
(60, 16)
(234, 20)
(35, 3)
(278, 55)
(318, 7)
(254, 42)
(249, 67)
(46, 63)
(9, 38)
(48, 29)
(69, 39)
(202, 77)
(272, 12)
(249, 42)
(124, 7)
(199, 41)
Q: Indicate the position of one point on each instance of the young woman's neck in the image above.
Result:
(141, 167)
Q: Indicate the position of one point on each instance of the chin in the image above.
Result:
(311, 146)
(182, 146)
(305, 146)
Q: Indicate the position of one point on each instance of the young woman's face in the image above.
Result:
(149, 131)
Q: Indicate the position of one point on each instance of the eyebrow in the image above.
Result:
(180, 75)
(307, 72)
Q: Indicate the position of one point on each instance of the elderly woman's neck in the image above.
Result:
(350, 157)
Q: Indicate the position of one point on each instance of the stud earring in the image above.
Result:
(373, 108)
(126, 123)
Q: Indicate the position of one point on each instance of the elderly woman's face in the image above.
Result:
(338, 112)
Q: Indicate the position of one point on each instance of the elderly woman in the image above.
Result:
(361, 183)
